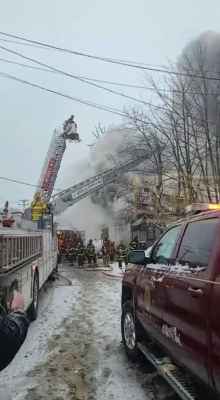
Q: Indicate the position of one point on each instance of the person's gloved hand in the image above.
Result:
(18, 301)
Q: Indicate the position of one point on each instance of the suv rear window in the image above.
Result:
(196, 245)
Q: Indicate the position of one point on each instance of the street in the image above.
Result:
(74, 351)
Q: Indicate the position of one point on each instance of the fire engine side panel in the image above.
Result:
(47, 262)
(24, 275)
(24, 278)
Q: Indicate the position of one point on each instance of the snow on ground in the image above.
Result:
(56, 302)
(74, 351)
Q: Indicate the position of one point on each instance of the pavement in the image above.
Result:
(73, 351)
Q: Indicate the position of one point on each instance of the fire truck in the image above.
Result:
(66, 238)
(28, 256)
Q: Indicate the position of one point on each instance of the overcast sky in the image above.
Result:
(144, 31)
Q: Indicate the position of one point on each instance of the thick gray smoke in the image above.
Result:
(201, 57)
(105, 207)
(109, 205)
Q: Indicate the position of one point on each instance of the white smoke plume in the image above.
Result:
(201, 57)
(103, 208)
(109, 204)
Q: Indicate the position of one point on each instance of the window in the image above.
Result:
(163, 249)
(197, 243)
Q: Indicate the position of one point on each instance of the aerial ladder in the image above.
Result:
(66, 198)
(62, 200)
(54, 157)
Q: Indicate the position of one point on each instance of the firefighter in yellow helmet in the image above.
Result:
(38, 207)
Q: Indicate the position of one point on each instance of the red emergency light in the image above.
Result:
(7, 222)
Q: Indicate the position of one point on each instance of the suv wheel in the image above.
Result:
(129, 332)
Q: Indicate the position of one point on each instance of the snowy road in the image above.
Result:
(73, 350)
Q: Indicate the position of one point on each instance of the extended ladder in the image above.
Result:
(54, 158)
(61, 201)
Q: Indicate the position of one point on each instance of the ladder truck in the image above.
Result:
(28, 256)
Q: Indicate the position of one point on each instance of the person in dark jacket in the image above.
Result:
(13, 331)
(121, 254)
(91, 253)
(72, 254)
(80, 251)
(134, 244)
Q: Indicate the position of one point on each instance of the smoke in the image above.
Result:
(203, 50)
(201, 57)
(107, 207)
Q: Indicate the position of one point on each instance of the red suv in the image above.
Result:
(171, 298)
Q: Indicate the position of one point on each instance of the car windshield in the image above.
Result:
(147, 252)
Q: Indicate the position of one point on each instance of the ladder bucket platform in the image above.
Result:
(170, 372)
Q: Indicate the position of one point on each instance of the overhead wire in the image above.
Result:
(109, 109)
(75, 77)
(85, 102)
(95, 85)
(54, 48)
(45, 47)
(22, 183)
(95, 105)
(173, 91)
(130, 64)
(91, 104)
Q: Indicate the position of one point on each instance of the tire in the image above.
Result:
(33, 310)
(130, 345)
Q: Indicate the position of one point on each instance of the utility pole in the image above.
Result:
(24, 203)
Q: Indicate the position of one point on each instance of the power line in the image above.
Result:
(45, 47)
(130, 64)
(99, 106)
(54, 48)
(90, 79)
(74, 77)
(173, 91)
(93, 84)
(94, 105)
(22, 183)
(90, 83)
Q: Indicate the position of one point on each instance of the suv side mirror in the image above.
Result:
(137, 257)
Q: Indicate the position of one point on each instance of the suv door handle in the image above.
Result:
(195, 292)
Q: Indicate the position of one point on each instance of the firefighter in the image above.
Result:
(134, 244)
(72, 254)
(61, 245)
(121, 254)
(85, 251)
(112, 250)
(91, 253)
(38, 208)
(105, 253)
(80, 251)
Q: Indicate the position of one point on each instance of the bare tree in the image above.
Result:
(183, 134)
(97, 133)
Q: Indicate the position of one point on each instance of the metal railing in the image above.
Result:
(16, 251)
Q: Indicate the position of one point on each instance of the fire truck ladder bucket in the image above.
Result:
(177, 379)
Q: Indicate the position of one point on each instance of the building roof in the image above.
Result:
(138, 222)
